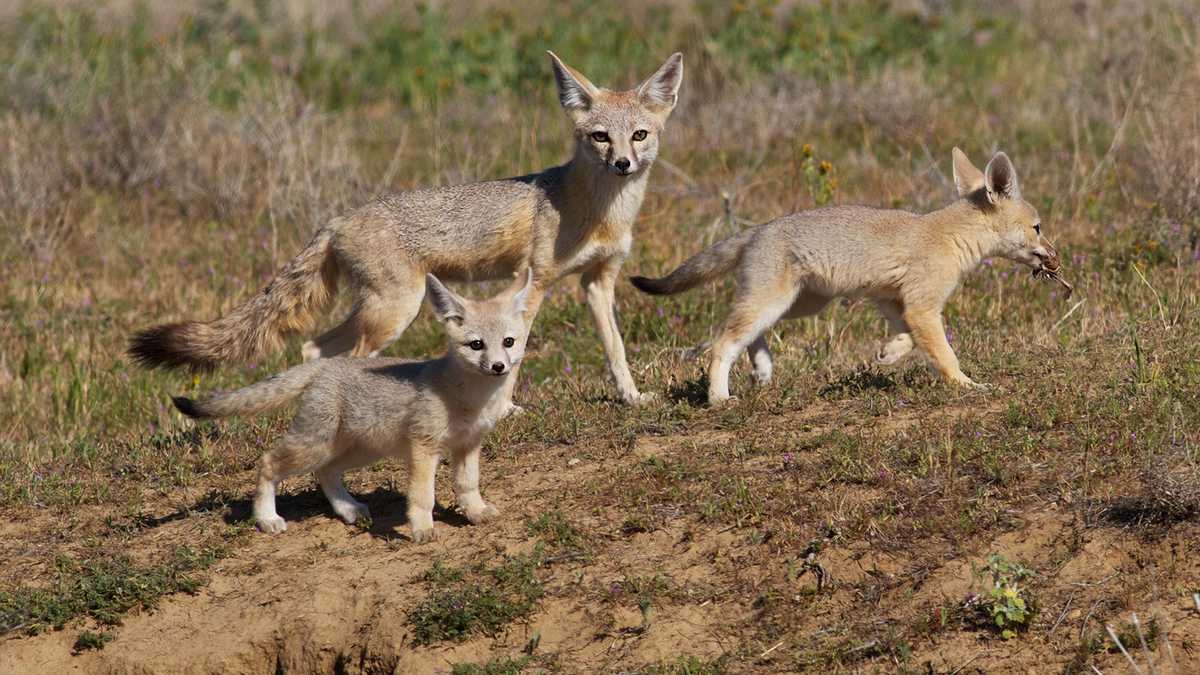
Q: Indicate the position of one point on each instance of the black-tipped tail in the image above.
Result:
(651, 286)
(168, 346)
(188, 407)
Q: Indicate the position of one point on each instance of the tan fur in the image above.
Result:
(908, 264)
(356, 411)
(574, 218)
(286, 305)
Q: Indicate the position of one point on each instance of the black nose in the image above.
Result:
(498, 367)
(621, 164)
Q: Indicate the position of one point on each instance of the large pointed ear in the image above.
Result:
(520, 298)
(661, 90)
(575, 92)
(967, 178)
(1001, 178)
(447, 305)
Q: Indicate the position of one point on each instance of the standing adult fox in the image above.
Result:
(908, 264)
(574, 218)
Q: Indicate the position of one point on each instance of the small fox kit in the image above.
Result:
(574, 218)
(908, 264)
(356, 411)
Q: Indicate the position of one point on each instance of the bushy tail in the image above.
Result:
(705, 265)
(285, 306)
(269, 394)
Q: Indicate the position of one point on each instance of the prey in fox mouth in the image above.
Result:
(1051, 268)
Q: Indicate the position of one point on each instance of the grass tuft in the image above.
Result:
(480, 601)
(102, 588)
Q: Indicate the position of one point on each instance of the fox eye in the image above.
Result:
(477, 345)
(1037, 227)
(508, 342)
(639, 135)
(600, 136)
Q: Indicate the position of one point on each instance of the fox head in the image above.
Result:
(997, 194)
(486, 337)
(619, 130)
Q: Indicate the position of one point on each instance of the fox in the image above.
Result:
(907, 264)
(354, 411)
(573, 218)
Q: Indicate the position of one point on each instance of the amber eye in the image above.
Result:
(640, 135)
(508, 342)
(477, 345)
(600, 136)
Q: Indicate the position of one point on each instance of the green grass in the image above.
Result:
(88, 640)
(688, 665)
(496, 666)
(101, 587)
(557, 531)
(421, 56)
(480, 601)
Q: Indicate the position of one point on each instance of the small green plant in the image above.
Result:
(688, 665)
(1002, 603)
(482, 601)
(496, 666)
(554, 529)
(89, 640)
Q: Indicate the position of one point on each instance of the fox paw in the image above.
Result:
(354, 513)
(424, 535)
(641, 398)
(883, 358)
(512, 410)
(486, 514)
(894, 350)
(968, 383)
(272, 525)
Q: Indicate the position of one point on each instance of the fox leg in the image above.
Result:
(930, 336)
(306, 446)
(344, 504)
(599, 285)
(746, 322)
(375, 322)
(338, 340)
(760, 358)
(806, 304)
(383, 318)
(422, 474)
(900, 341)
(465, 467)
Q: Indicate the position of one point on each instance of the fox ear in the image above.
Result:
(967, 178)
(1001, 178)
(661, 90)
(447, 305)
(520, 299)
(575, 92)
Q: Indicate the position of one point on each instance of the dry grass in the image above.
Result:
(158, 169)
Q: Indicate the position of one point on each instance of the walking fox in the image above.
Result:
(908, 264)
(356, 411)
(577, 217)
